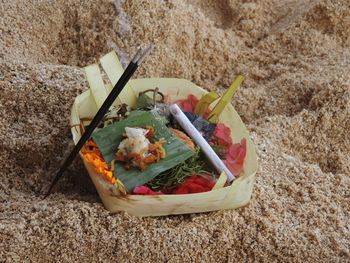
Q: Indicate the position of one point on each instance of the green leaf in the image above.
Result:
(144, 102)
(109, 138)
(196, 164)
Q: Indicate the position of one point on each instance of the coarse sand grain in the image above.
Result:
(295, 101)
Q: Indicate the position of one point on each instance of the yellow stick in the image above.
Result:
(204, 102)
(225, 99)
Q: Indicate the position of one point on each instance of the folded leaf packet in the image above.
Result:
(109, 138)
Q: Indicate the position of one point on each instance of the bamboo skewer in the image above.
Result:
(129, 71)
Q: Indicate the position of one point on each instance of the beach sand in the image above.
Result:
(295, 102)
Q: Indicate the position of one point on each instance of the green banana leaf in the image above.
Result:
(144, 102)
(109, 138)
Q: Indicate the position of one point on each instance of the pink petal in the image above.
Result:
(223, 134)
(233, 151)
(145, 190)
(188, 105)
(235, 157)
(235, 167)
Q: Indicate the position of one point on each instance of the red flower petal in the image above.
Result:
(194, 184)
(181, 191)
(188, 105)
(196, 188)
(145, 190)
(222, 135)
(233, 151)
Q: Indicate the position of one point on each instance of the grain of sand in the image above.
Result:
(295, 102)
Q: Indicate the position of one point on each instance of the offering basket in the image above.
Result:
(223, 196)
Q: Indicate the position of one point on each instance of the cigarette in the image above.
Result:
(200, 141)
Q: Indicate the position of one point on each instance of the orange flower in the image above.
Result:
(92, 155)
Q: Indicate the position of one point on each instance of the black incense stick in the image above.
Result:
(125, 77)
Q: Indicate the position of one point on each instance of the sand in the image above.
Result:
(295, 102)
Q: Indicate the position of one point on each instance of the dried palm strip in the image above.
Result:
(221, 181)
(97, 86)
(113, 68)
